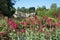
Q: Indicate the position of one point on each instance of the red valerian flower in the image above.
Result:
(12, 24)
(39, 21)
(42, 26)
(23, 30)
(22, 23)
(56, 24)
(4, 33)
(35, 17)
(32, 23)
(49, 19)
(59, 17)
(55, 13)
(44, 17)
(9, 23)
(1, 33)
(53, 29)
(40, 31)
(15, 26)
(10, 19)
(30, 19)
(26, 23)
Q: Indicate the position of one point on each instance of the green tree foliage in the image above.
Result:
(6, 6)
(31, 9)
(26, 10)
(58, 10)
(49, 13)
(22, 9)
(41, 11)
(53, 6)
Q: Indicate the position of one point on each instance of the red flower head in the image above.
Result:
(35, 17)
(53, 29)
(30, 19)
(55, 13)
(42, 26)
(32, 22)
(12, 23)
(49, 20)
(40, 31)
(39, 21)
(59, 17)
(26, 23)
(1, 33)
(56, 24)
(22, 30)
(9, 19)
(9, 23)
(22, 23)
(44, 17)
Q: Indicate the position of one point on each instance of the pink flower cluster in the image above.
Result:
(30, 21)
(12, 23)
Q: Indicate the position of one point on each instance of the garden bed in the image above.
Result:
(33, 28)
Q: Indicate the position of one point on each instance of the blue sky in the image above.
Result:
(36, 3)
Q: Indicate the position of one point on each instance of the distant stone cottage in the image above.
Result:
(23, 15)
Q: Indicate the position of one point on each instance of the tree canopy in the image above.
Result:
(6, 7)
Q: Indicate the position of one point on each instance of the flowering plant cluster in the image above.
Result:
(45, 25)
(44, 22)
(34, 28)
(12, 23)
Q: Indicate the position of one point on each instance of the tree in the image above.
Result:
(6, 6)
(41, 11)
(18, 9)
(22, 9)
(31, 9)
(53, 6)
(58, 10)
